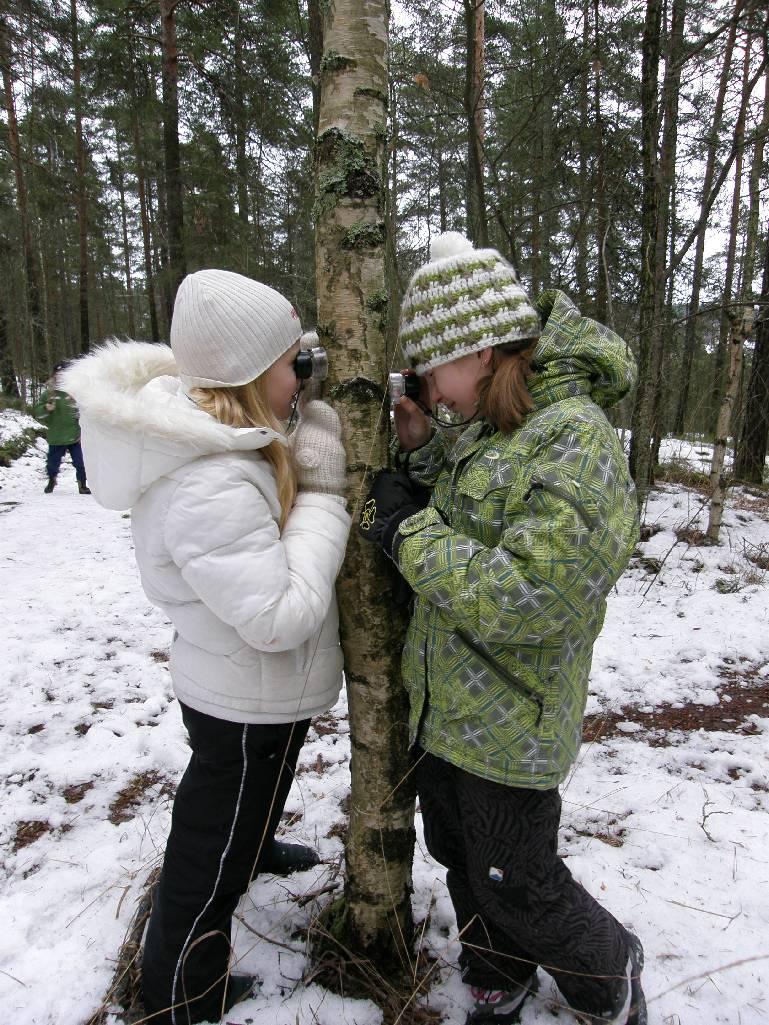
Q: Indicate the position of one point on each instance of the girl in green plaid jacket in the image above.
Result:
(532, 518)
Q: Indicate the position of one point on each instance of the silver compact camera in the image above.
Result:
(312, 364)
(405, 383)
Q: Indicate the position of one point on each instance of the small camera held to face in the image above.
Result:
(405, 383)
(312, 364)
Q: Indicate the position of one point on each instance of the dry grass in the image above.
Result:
(125, 989)
(680, 473)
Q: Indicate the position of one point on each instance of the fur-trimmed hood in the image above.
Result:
(138, 424)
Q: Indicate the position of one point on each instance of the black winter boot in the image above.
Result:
(281, 859)
(239, 987)
(50, 485)
(83, 488)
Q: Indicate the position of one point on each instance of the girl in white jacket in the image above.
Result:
(239, 535)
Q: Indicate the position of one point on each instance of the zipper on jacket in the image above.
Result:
(511, 681)
(429, 632)
(539, 485)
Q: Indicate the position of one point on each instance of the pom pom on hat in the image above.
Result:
(450, 243)
(228, 329)
(463, 300)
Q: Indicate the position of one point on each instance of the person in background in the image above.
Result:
(58, 413)
(531, 520)
(239, 533)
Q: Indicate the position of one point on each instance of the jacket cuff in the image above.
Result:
(394, 535)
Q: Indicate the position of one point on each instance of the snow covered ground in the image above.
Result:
(669, 827)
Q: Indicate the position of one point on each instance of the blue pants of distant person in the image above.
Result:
(56, 454)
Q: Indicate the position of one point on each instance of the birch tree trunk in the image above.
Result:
(375, 917)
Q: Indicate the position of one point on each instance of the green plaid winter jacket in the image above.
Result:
(512, 560)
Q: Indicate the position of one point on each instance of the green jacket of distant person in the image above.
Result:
(58, 413)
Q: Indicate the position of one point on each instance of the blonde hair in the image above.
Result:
(503, 397)
(245, 405)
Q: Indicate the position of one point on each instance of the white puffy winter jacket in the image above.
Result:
(256, 629)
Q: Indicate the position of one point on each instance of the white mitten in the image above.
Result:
(319, 455)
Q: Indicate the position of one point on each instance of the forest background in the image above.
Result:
(614, 150)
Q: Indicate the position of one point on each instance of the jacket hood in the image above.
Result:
(138, 424)
(576, 356)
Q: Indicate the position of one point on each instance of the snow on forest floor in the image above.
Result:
(665, 814)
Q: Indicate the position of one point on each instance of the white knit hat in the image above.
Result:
(228, 329)
(463, 300)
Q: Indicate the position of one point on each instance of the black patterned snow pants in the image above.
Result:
(226, 810)
(517, 904)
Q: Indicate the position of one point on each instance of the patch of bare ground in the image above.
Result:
(614, 838)
(743, 694)
(752, 500)
(27, 831)
(325, 725)
(123, 807)
(76, 792)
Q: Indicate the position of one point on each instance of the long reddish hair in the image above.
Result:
(503, 397)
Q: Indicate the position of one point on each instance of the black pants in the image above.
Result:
(517, 904)
(56, 454)
(226, 810)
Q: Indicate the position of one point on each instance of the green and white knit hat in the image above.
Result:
(463, 300)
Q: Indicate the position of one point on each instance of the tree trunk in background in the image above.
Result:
(315, 55)
(8, 384)
(651, 295)
(82, 197)
(748, 268)
(755, 429)
(37, 341)
(586, 186)
(240, 133)
(690, 333)
(119, 181)
(173, 174)
(667, 228)
(604, 311)
(160, 250)
(375, 917)
(741, 326)
(477, 224)
(754, 197)
(726, 326)
(144, 216)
